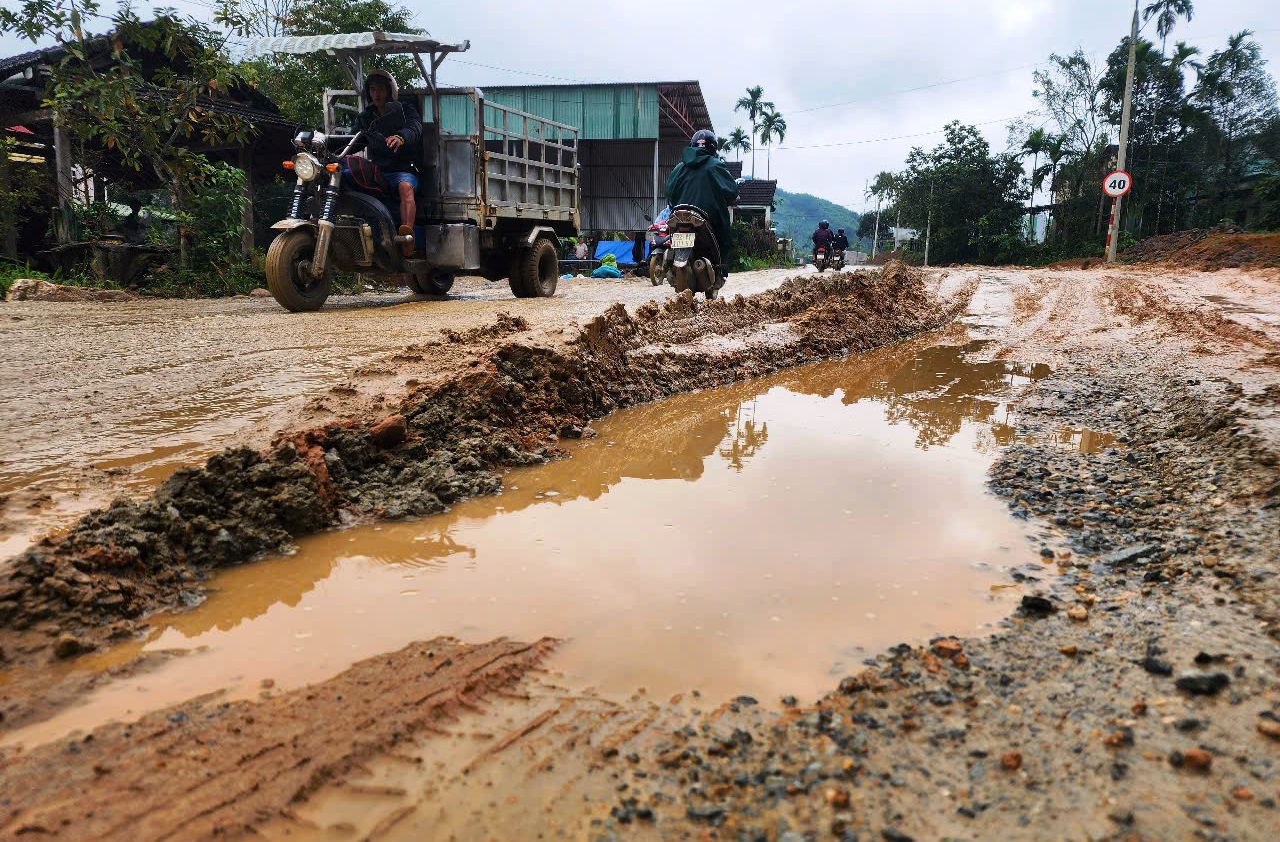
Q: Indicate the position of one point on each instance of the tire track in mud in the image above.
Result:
(506, 399)
(207, 767)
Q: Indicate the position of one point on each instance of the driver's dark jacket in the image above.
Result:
(396, 118)
(823, 237)
(703, 180)
(840, 241)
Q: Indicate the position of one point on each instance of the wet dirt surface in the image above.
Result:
(1132, 696)
(635, 551)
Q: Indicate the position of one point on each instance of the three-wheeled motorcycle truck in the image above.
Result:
(497, 190)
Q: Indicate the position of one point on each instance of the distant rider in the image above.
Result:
(393, 134)
(822, 238)
(703, 180)
(841, 242)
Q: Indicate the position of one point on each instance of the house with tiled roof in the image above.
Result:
(755, 201)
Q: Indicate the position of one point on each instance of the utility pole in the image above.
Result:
(928, 228)
(875, 238)
(1113, 230)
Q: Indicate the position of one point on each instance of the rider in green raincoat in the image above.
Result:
(704, 180)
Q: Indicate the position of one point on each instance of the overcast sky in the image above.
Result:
(857, 89)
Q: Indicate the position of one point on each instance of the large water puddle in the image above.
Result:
(762, 538)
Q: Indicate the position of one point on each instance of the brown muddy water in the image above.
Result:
(762, 538)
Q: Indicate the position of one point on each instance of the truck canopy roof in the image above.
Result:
(367, 43)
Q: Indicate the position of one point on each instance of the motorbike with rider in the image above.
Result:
(823, 238)
(839, 245)
(426, 201)
(700, 191)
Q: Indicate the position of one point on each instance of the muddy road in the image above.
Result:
(1118, 681)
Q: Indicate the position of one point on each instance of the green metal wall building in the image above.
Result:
(633, 134)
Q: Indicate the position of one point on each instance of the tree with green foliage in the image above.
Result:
(21, 187)
(1035, 145)
(739, 142)
(296, 83)
(1166, 13)
(1238, 94)
(152, 103)
(970, 199)
(756, 106)
(772, 127)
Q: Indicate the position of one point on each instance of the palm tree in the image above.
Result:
(755, 105)
(886, 186)
(1166, 13)
(722, 146)
(1182, 56)
(1055, 149)
(772, 126)
(739, 142)
(1035, 145)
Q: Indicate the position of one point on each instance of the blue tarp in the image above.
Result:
(621, 249)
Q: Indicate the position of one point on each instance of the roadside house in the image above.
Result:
(24, 79)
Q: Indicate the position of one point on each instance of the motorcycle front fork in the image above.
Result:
(324, 225)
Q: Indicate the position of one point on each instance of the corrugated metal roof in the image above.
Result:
(365, 42)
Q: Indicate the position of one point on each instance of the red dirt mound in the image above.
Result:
(1209, 249)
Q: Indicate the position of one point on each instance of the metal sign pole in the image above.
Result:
(1113, 230)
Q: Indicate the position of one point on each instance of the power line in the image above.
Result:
(899, 137)
(958, 80)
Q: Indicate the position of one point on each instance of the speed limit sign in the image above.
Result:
(1117, 184)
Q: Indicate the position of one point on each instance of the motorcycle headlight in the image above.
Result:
(306, 166)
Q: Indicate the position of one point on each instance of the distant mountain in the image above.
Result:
(798, 214)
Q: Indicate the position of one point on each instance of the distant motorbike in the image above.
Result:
(692, 261)
(836, 261)
(821, 258)
(659, 238)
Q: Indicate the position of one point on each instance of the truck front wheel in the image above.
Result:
(535, 271)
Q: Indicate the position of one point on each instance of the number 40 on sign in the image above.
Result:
(1117, 184)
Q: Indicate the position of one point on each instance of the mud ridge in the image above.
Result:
(509, 401)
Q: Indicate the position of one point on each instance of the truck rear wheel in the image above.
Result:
(289, 272)
(435, 282)
(535, 271)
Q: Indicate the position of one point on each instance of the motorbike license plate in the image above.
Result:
(682, 241)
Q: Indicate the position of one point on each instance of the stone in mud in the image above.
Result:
(1131, 554)
(1203, 683)
(1011, 761)
(68, 646)
(1037, 606)
(1269, 728)
(389, 432)
(1197, 759)
(948, 647)
(1155, 666)
(712, 814)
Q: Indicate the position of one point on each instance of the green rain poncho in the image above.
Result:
(608, 268)
(703, 180)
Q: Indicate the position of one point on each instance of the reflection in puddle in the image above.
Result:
(1084, 441)
(761, 538)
